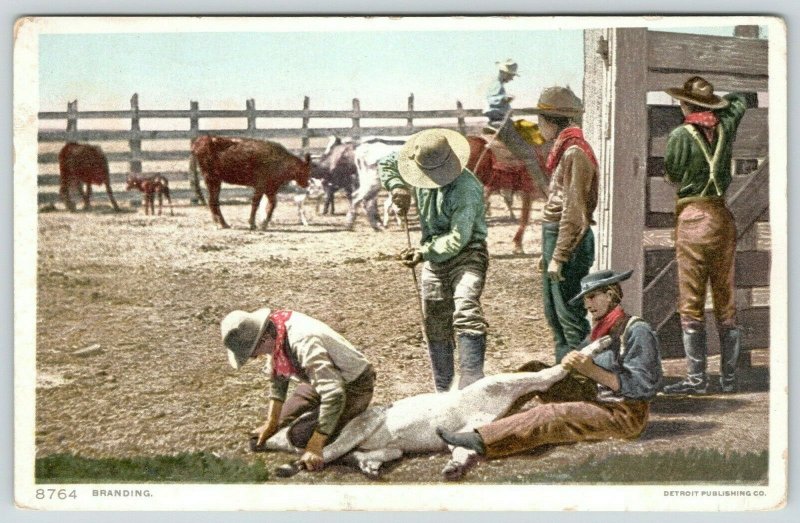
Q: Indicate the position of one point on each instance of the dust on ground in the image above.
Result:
(129, 359)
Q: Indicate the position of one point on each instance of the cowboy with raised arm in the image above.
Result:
(698, 163)
(606, 396)
(567, 217)
(336, 380)
(453, 246)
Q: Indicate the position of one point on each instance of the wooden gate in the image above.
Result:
(628, 123)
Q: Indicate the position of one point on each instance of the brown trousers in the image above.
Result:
(557, 422)
(705, 244)
(301, 410)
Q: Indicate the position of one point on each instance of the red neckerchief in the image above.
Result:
(281, 362)
(605, 324)
(566, 139)
(707, 122)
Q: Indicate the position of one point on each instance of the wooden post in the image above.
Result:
(356, 131)
(194, 118)
(746, 31)
(194, 127)
(72, 117)
(410, 119)
(462, 125)
(251, 114)
(304, 139)
(597, 84)
(627, 153)
(135, 144)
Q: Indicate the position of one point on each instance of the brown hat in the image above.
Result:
(698, 91)
(559, 101)
(433, 158)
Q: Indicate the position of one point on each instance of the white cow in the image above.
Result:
(367, 155)
(381, 434)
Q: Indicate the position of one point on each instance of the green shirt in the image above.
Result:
(686, 163)
(452, 217)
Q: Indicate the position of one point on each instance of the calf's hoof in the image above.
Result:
(518, 249)
(453, 471)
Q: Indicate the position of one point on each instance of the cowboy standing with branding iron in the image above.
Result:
(698, 162)
(567, 238)
(622, 380)
(336, 380)
(453, 246)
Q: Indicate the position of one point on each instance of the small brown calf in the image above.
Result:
(152, 186)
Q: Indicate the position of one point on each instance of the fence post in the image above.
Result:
(462, 125)
(135, 145)
(194, 127)
(251, 115)
(746, 31)
(356, 131)
(410, 119)
(304, 140)
(72, 118)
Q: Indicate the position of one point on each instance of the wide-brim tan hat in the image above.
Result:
(241, 331)
(433, 158)
(508, 67)
(698, 91)
(559, 101)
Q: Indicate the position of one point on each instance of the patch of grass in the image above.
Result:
(692, 466)
(197, 467)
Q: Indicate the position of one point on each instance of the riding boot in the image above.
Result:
(472, 348)
(730, 342)
(441, 353)
(694, 344)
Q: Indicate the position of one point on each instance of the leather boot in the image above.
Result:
(441, 353)
(730, 342)
(694, 344)
(472, 348)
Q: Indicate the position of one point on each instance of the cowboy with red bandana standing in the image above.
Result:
(567, 238)
(698, 162)
(336, 380)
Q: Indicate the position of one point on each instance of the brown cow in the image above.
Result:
(264, 166)
(152, 186)
(82, 163)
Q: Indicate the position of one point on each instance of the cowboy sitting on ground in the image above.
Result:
(453, 246)
(606, 396)
(336, 380)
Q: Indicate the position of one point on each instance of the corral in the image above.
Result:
(128, 355)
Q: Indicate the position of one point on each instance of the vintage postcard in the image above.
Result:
(400, 263)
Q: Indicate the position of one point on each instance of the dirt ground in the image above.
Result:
(130, 363)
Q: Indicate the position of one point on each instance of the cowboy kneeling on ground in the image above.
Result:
(336, 380)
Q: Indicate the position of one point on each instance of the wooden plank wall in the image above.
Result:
(639, 201)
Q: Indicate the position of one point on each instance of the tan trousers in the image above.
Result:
(559, 422)
(301, 410)
(705, 244)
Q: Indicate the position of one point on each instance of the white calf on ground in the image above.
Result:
(382, 434)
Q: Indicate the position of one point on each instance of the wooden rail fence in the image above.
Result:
(299, 140)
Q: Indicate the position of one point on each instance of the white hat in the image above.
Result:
(241, 331)
(433, 158)
(509, 67)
